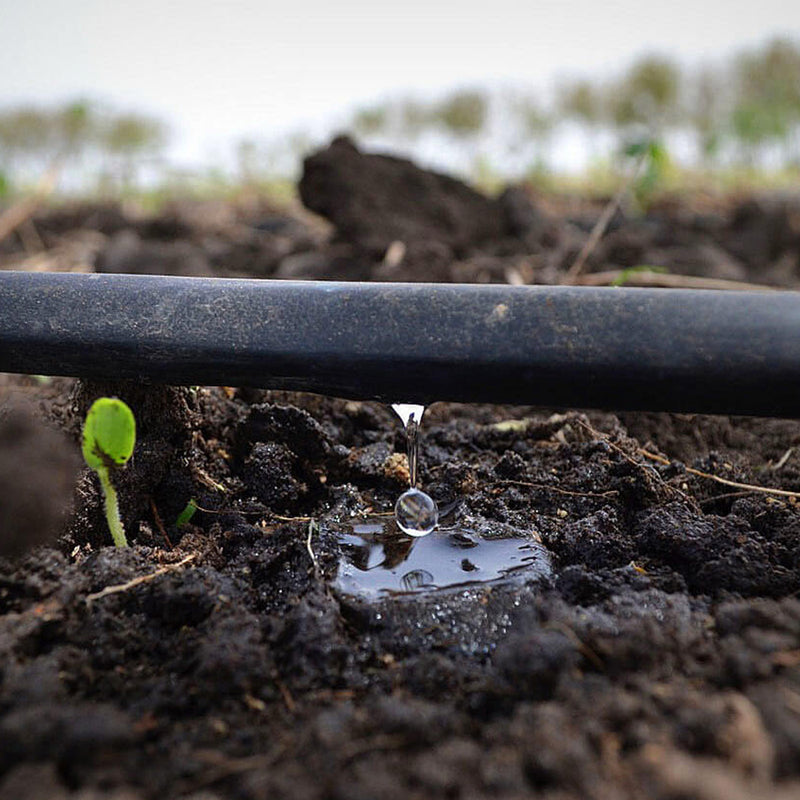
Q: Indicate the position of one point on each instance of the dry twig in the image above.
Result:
(600, 226)
(22, 211)
(159, 524)
(630, 459)
(548, 488)
(311, 526)
(124, 587)
(221, 767)
(749, 487)
(666, 280)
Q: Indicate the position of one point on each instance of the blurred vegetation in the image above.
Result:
(737, 118)
(76, 137)
(714, 123)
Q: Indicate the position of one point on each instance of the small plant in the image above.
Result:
(651, 166)
(185, 516)
(109, 435)
(631, 272)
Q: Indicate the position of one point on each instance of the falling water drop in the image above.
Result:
(416, 513)
(407, 411)
(411, 415)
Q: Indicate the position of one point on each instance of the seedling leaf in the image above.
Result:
(186, 514)
(109, 433)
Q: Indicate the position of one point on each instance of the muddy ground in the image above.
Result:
(658, 657)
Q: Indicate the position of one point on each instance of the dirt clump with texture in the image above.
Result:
(659, 657)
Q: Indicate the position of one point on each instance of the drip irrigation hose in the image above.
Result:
(662, 350)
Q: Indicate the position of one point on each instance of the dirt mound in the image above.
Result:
(374, 200)
(38, 473)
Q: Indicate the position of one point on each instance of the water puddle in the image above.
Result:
(410, 553)
(380, 560)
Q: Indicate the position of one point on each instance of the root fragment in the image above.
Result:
(124, 587)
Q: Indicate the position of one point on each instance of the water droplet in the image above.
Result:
(411, 416)
(409, 411)
(416, 513)
(416, 579)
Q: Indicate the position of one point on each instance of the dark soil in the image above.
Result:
(659, 659)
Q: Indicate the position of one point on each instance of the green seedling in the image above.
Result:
(652, 164)
(185, 516)
(631, 272)
(109, 435)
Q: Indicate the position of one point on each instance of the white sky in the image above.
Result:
(217, 71)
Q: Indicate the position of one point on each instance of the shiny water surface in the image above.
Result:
(380, 560)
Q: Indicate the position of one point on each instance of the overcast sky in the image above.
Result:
(217, 71)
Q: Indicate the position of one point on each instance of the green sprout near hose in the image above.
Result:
(186, 514)
(109, 435)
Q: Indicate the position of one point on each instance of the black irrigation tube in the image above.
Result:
(667, 350)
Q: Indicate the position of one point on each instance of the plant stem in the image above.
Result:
(602, 223)
(112, 509)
